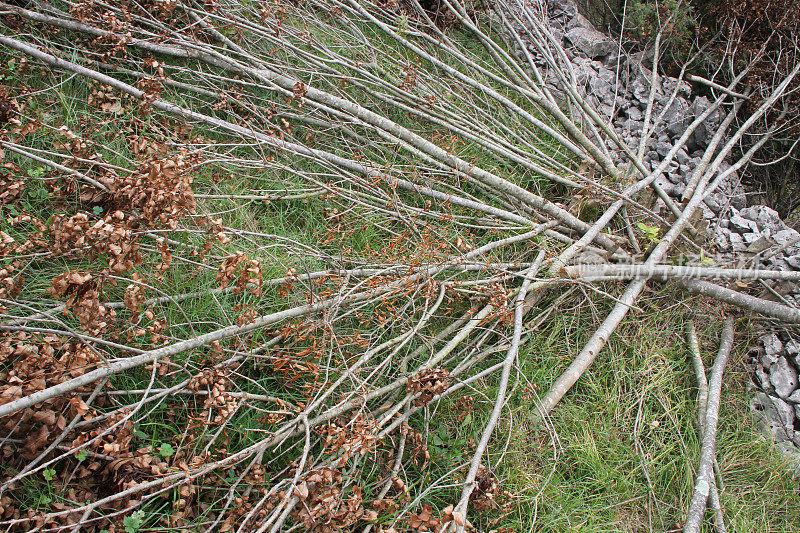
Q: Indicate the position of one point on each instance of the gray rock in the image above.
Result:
(793, 348)
(684, 89)
(765, 217)
(785, 236)
(704, 132)
(767, 360)
(606, 74)
(785, 413)
(640, 86)
(783, 377)
(759, 245)
(712, 204)
(794, 397)
(743, 225)
(634, 113)
(738, 199)
(645, 57)
(763, 377)
(607, 110)
(614, 60)
(678, 189)
(674, 176)
(663, 148)
(722, 240)
(794, 261)
(590, 41)
(584, 71)
(752, 238)
(681, 156)
(775, 416)
(579, 21)
(562, 8)
(677, 117)
(634, 126)
(737, 242)
(558, 33)
(772, 344)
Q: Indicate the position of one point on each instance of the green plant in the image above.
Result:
(48, 474)
(134, 522)
(651, 232)
(674, 18)
(166, 450)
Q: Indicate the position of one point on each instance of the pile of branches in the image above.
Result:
(461, 162)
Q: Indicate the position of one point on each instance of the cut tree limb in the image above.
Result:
(702, 406)
(706, 469)
(765, 307)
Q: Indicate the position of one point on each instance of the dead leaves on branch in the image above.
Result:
(160, 193)
(81, 291)
(111, 236)
(245, 271)
(109, 229)
(428, 384)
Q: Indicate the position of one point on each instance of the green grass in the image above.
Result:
(621, 451)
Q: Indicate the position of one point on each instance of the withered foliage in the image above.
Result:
(103, 246)
(246, 272)
(88, 451)
(429, 383)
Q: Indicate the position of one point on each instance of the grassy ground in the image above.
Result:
(618, 454)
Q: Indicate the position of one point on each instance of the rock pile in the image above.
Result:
(619, 86)
(776, 406)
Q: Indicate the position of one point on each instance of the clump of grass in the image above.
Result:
(620, 453)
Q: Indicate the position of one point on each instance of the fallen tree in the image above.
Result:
(461, 170)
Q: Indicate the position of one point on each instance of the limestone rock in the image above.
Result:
(772, 343)
(765, 217)
(590, 41)
(743, 225)
(783, 377)
(793, 348)
(794, 261)
(785, 236)
(775, 416)
(677, 117)
(706, 129)
(579, 21)
(562, 8)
